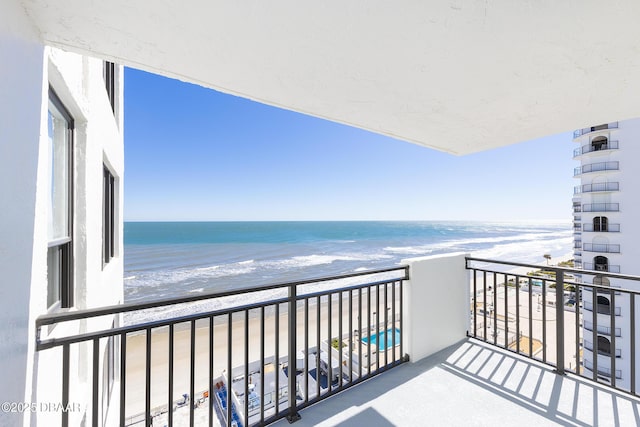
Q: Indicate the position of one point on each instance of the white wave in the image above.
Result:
(462, 243)
(199, 290)
(130, 278)
(409, 250)
(529, 251)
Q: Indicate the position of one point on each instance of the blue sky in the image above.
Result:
(193, 154)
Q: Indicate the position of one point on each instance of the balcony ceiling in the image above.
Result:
(457, 76)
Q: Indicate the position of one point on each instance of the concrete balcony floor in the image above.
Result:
(474, 384)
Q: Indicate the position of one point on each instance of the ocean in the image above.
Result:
(169, 259)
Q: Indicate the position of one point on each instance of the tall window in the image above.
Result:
(60, 215)
(600, 223)
(109, 75)
(108, 216)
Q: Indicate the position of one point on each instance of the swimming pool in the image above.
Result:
(384, 339)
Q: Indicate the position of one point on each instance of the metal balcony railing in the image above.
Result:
(601, 228)
(602, 267)
(610, 145)
(597, 187)
(578, 133)
(601, 247)
(541, 317)
(315, 338)
(596, 167)
(601, 207)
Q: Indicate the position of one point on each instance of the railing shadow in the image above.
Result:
(564, 399)
(472, 383)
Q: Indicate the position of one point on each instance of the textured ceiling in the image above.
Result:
(457, 76)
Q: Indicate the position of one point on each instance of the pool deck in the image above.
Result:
(473, 384)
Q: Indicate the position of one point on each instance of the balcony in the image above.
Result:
(471, 327)
(600, 187)
(601, 207)
(610, 145)
(604, 372)
(602, 267)
(578, 133)
(601, 247)
(600, 309)
(601, 228)
(596, 167)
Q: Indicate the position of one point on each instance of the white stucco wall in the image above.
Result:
(26, 375)
(436, 303)
(21, 88)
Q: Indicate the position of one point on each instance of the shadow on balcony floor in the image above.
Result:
(473, 384)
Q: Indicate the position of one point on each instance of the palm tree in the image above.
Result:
(547, 257)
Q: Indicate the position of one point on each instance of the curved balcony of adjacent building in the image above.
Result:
(603, 373)
(604, 347)
(597, 167)
(601, 228)
(601, 267)
(579, 132)
(601, 207)
(601, 247)
(596, 146)
(599, 187)
(604, 330)
(603, 306)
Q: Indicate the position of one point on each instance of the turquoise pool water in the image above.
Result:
(384, 339)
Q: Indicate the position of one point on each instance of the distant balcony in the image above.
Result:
(577, 244)
(610, 145)
(577, 209)
(596, 167)
(602, 267)
(606, 372)
(601, 228)
(601, 309)
(588, 345)
(602, 329)
(601, 207)
(600, 187)
(601, 247)
(578, 133)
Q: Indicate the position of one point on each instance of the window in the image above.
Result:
(599, 143)
(108, 216)
(109, 76)
(60, 212)
(604, 346)
(601, 263)
(600, 223)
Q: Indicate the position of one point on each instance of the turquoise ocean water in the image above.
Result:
(166, 259)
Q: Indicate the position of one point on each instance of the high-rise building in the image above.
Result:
(605, 221)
